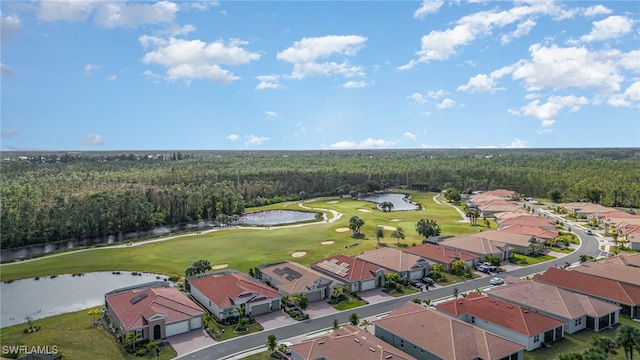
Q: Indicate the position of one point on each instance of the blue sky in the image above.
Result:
(304, 75)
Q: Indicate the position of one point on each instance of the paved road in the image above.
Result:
(589, 246)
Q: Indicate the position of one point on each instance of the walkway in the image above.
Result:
(465, 219)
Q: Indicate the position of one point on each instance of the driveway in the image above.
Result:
(374, 296)
(274, 319)
(191, 341)
(320, 308)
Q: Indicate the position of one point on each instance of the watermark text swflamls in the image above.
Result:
(26, 349)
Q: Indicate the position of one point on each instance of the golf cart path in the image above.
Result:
(465, 219)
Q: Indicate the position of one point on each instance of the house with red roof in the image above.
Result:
(443, 255)
(524, 219)
(540, 233)
(153, 311)
(225, 291)
(613, 291)
(429, 334)
(577, 311)
(524, 326)
(347, 343)
(356, 274)
(291, 278)
(408, 266)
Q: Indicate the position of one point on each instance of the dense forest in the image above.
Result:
(46, 197)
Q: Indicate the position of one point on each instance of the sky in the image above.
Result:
(319, 75)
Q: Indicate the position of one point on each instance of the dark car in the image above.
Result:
(429, 281)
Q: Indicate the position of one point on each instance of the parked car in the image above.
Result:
(588, 232)
(288, 344)
(496, 281)
(429, 281)
(483, 269)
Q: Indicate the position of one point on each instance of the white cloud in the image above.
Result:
(428, 7)
(609, 28)
(5, 70)
(547, 112)
(410, 135)
(269, 82)
(523, 29)
(90, 68)
(10, 26)
(418, 98)
(113, 77)
(252, 140)
(93, 140)
(441, 45)
(195, 59)
(446, 103)
(368, 143)
(355, 84)
(480, 83)
(437, 94)
(596, 10)
(630, 97)
(561, 68)
(233, 137)
(11, 132)
(109, 13)
(517, 144)
(271, 115)
(427, 146)
(305, 53)
(426, 113)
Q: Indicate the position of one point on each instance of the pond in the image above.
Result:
(276, 217)
(49, 296)
(400, 201)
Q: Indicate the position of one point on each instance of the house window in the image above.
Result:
(140, 333)
(578, 322)
(473, 319)
(536, 339)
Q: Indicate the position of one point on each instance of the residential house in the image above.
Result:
(625, 259)
(525, 220)
(226, 293)
(584, 208)
(291, 278)
(442, 255)
(617, 292)
(347, 343)
(356, 274)
(540, 233)
(408, 266)
(611, 268)
(153, 311)
(528, 328)
(577, 311)
(429, 334)
(498, 243)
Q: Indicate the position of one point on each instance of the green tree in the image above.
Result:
(379, 234)
(453, 195)
(570, 356)
(132, 339)
(628, 338)
(398, 234)
(386, 206)
(271, 342)
(354, 319)
(606, 344)
(437, 268)
(355, 223)
(364, 324)
(427, 228)
(303, 302)
(555, 195)
(459, 266)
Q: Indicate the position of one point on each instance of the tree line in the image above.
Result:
(96, 194)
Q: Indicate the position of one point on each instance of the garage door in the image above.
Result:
(196, 323)
(368, 285)
(415, 275)
(177, 328)
(259, 309)
(314, 296)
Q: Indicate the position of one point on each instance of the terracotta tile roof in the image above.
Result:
(509, 214)
(440, 254)
(501, 313)
(554, 300)
(394, 259)
(347, 267)
(592, 285)
(537, 231)
(498, 207)
(585, 207)
(614, 214)
(487, 242)
(500, 192)
(306, 279)
(527, 220)
(611, 269)
(167, 302)
(225, 290)
(626, 259)
(445, 336)
(348, 343)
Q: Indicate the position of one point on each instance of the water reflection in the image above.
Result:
(276, 217)
(54, 295)
(400, 201)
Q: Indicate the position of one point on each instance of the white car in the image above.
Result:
(588, 232)
(496, 281)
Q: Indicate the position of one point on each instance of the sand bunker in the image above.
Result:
(342, 229)
(396, 220)
(328, 242)
(299, 254)
(387, 227)
(218, 267)
(333, 202)
(364, 210)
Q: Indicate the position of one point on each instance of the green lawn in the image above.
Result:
(403, 291)
(349, 304)
(531, 260)
(230, 333)
(74, 336)
(243, 248)
(265, 355)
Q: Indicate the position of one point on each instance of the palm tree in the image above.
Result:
(364, 325)
(336, 291)
(458, 266)
(606, 344)
(379, 234)
(285, 301)
(628, 337)
(479, 291)
(386, 206)
(355, 223)
(398, 234)
(427, 302)
(354, 318)
(271, 342)
(132, 338)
